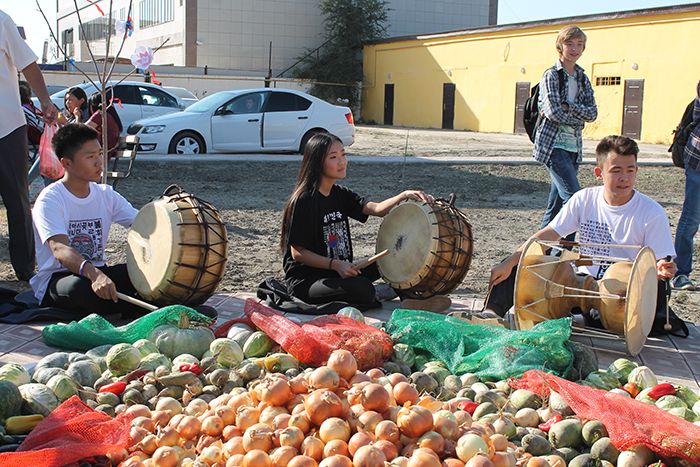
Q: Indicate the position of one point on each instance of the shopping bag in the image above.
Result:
(49, 165)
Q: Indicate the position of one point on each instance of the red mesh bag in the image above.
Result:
(71, 432)
(628, 421)
(313, 341)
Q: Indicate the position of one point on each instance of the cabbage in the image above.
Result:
(15, 374)
(602, 380)
(687, 395)
(404, 354)
(643, 397)
(643, 377)
(227, 352)
(353, 313)
(696, 408)
(670, 402)
(684, 413)
(621, 369)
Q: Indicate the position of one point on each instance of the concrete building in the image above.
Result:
(236, 34)
(643, 65)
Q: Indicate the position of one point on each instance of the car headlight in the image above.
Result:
(153, 129)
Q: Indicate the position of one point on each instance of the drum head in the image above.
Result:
(153, 247)
(532, 253)
(640, 309)
(410, 233)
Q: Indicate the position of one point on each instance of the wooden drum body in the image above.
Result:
(177, 249)
(430, 248)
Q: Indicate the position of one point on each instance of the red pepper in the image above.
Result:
(468, 406)
(136, 374)
(632, 389)
(663, 389)
(115, 388)
(192, 368)
(548, 424)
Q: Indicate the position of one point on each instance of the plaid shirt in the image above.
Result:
(691, 155)
(551, 98)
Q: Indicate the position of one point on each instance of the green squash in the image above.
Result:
(122, 359)
(17, 374)
(173, 340)
(10, 400)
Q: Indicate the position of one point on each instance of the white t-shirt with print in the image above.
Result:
(15, 55)
(641, 222)
(86, 222)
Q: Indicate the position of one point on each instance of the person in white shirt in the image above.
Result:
(72, 218)
(15, 55)
(612, 214)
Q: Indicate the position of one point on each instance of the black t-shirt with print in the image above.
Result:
(320, 224)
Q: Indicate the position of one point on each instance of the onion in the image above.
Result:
(226, 413)
(388, 448)
(211, 455)
(281, 456)
(235, 461)
(196, 407)
(168, 403)
(322, 404)
(297, 399)
(291, 436)
(239, 400)
(499, 442)
(167, 437)
(368, 421)
(213, 425)
(149, 444)
(298, 384)
(312, 447)
(336, 447)
(480, 460)
(257, 458)
(405, 392)
(274, 391)
(358, 440)
(445, 423)
(144, 422)
(414, 421)
(189, 427)
(138, 410)
(464, 419)
(247, 416)
(334, 428)
(368, 456)
(507, 459)
(374, 373)
(400, 461)
(388, 431)
(354, 395)
(391, 413)
(353, 417)
(268, 414)
(160, 417)
(281, 421)
(336, 461)
(374, 397)
(302, 461)
(433, 441)
(230, 432)
(301, 421)
(359, 377)
(424, 458)
(258, 436)
(396, 378)
(299, 408)
(175, 420)
(469, 445)
(234, 446)
(343, 363)
(324, 377)
(452, 462)
(166, 456)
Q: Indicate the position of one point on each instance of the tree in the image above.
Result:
(348, 24)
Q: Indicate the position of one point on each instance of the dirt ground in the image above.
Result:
(504, 204)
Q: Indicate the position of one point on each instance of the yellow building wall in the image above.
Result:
(661, 49)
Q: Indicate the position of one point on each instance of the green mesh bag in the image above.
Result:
(491, 352)
(94, 330)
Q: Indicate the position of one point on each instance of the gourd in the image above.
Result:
(10, 400)
(22, 424)
(173, 340)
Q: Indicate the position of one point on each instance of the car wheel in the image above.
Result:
(187, 142)
(306, 137)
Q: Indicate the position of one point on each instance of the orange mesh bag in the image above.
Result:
(313, 341)
(73, 431)
(628, 421)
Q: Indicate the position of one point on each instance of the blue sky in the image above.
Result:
(25, 12)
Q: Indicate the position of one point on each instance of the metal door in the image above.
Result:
(448, 106)
(632, 109)
(388, 104)
(522, 92)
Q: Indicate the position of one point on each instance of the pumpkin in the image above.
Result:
(257, 345)
(38, 398)
(10, 400)
(173, 340)
(122, 359)
(63, 386)
(84, 372)
(17, 374)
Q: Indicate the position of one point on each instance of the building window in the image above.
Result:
(607, 81)
(153, 12)
(96, 29)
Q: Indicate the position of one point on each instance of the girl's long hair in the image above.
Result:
(78, 93)
(309, 177)
(95, 104)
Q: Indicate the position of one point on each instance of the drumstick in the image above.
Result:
(136, 301)
(363, 263)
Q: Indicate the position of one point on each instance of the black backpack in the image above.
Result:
(681, 135)
(531, 114)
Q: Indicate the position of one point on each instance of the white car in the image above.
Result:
(136, 100)
(185, 95)
(249, 120)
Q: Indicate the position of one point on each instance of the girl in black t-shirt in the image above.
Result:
(315, 239)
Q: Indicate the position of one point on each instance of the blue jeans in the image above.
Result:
(563, 170)
(688, 223)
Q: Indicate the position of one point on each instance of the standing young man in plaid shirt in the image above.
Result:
(558, 141)
(690, 216)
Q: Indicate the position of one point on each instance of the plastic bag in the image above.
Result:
(491, 352)
(313, 341)
(73, 431)
(94, 330)
(49, 165)
(628, 421)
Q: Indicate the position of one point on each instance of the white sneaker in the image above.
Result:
(682, 282)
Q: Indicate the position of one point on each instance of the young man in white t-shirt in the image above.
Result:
(612, 214)
(72, 218)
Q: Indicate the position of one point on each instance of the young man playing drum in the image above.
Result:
(72, 218)
(612, 214)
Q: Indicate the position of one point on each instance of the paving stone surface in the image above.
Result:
(672, 358)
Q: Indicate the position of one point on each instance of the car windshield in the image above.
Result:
(209, 102)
